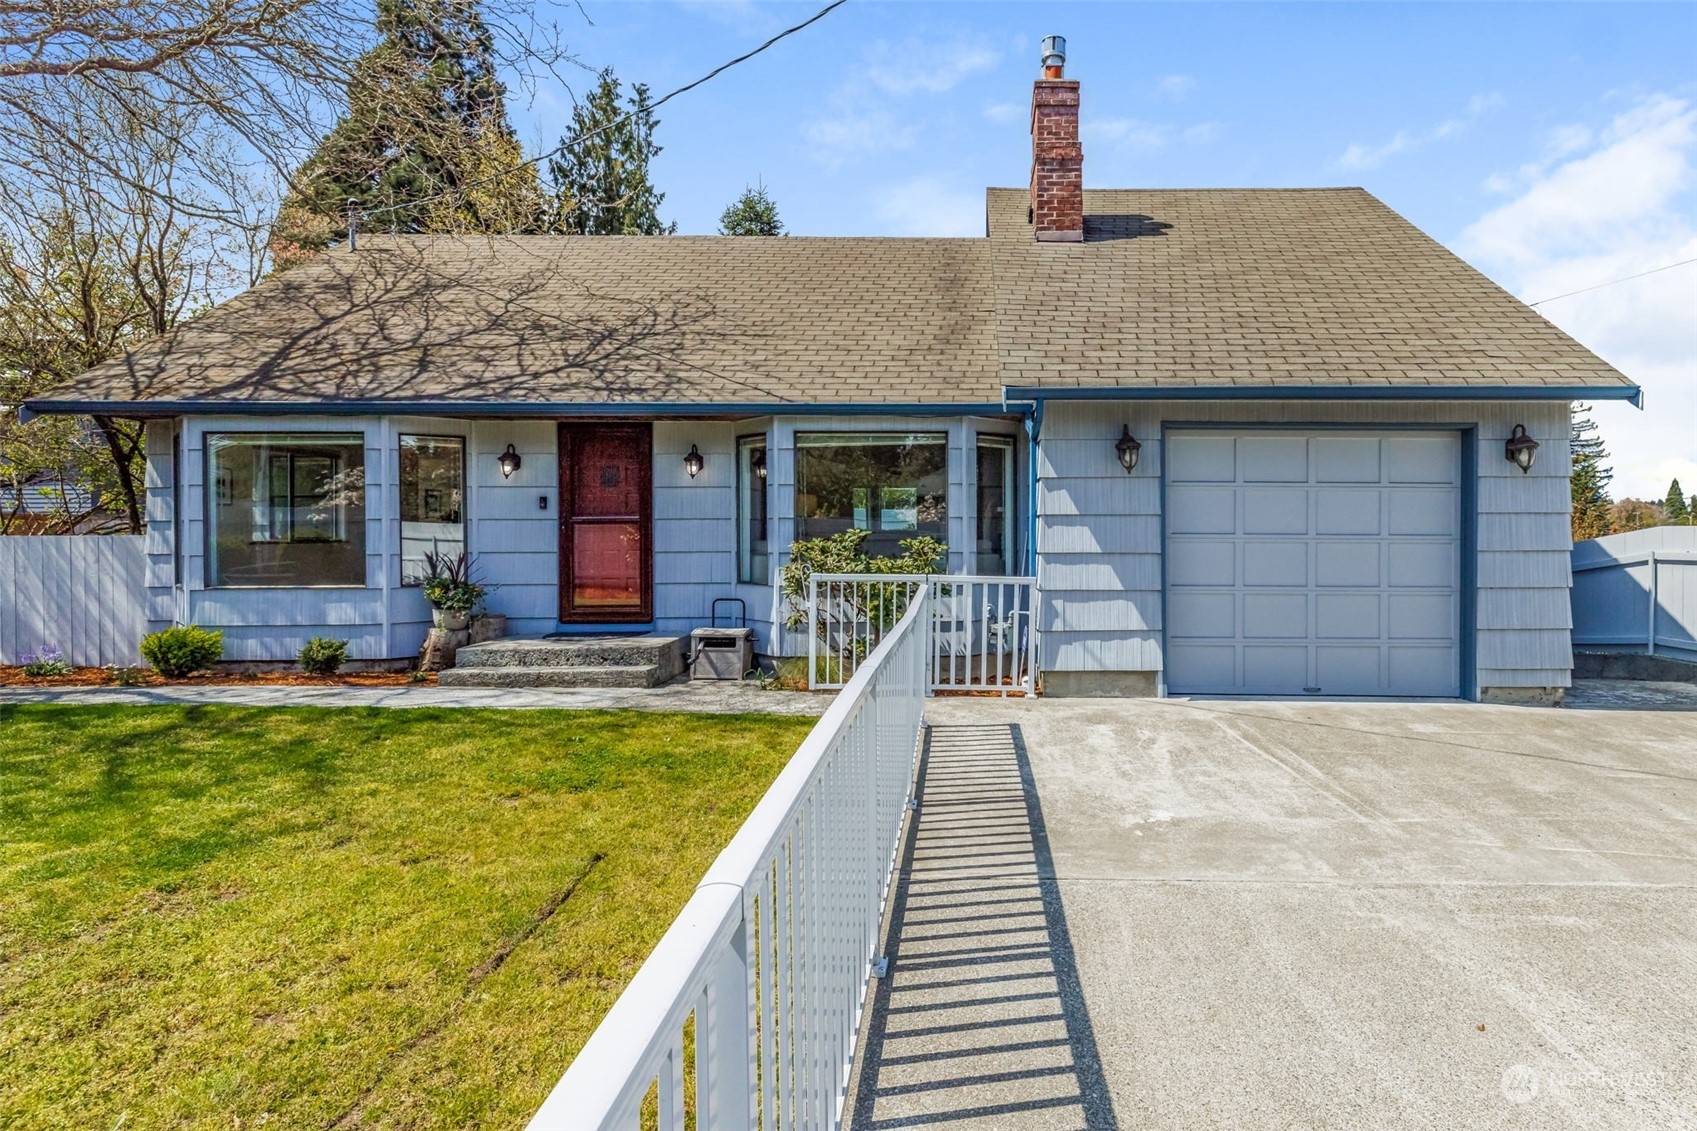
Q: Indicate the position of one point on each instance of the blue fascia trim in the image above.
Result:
(1331, 393)
(1033, 430)
(498, 409)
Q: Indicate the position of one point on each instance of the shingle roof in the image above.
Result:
(1171, 288)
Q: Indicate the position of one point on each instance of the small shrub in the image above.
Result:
(418, 675)
(448, 582)
(125, 676)
(323, 656)
(48, 661)
(183, 650)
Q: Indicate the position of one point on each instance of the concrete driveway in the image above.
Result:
(1295, 915)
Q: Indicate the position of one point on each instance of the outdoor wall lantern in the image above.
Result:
(693, 463)
(758, 462)
(1521, 449)
(510, 462)
(1127, 447)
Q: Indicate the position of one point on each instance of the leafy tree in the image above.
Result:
(600, 179)
(1591, 476)
(1675, 510)
(1633, 514)
(754, 213)
(425, 144)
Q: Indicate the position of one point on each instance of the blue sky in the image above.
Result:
(1553, 145)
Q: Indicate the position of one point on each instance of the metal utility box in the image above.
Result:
(721, 653)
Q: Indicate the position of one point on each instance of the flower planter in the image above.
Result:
(452, 622)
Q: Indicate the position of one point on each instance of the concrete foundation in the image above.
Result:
(1523, 696)
(1101, 685)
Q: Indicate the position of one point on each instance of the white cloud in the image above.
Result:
(1361, 156)
(1007, 113)
(1609, 204)
(1201, 134)
(882, 105)
(1129, 132)
(1175, 87)
(927, 206)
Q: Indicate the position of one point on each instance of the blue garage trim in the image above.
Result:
(1332, 393)
(506, 410)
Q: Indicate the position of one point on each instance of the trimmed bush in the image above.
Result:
(180, 651)
(323, 656)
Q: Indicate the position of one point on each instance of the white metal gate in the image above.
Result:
(981, 631)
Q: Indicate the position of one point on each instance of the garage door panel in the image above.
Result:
(1199, 562)
(1342, 511)
(1346, 616)
(1275, 616)
(1202, 510)
(1272, 459)
(1339, 565)
(1422, 511)
(1345, 670)
(1196, 666)
(1422, 459)
(1345, 459)
(1275, 563)
(1425, 565)
(1201, 459)
(1422, 671)
(1333, 568)
(1269, 668)
(1420, 616)
(1275, 512)
(1201, 615)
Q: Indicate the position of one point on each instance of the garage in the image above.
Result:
(1313, 563)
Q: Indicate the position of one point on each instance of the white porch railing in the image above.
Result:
(982, 632)
(769, 961)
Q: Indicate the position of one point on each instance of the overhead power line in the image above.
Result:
(1612, 282)
(583, 137)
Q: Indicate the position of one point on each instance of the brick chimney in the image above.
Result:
(1057, 160)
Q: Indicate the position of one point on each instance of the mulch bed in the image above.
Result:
(11, 676)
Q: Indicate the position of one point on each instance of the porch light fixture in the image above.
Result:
(757, 462)
(1521, 449)
(1127, 447)
(510, 462)
(693, 463)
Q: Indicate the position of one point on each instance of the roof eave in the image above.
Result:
(1624, 392)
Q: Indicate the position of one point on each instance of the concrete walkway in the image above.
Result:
(1294, 915)
(707, 697)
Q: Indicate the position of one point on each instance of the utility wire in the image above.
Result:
(1612, 282)
(649, 109)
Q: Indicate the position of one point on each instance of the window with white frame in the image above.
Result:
(752, 559)
(995, 554)
(893, 484)
(285, 508)
(432, 492)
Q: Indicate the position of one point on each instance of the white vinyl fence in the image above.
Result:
(766, 968)
(1637, 592)
(982, 635)
(83, 594)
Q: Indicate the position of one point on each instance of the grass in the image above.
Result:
(224, 917)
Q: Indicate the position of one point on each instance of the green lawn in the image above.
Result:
(324, 918)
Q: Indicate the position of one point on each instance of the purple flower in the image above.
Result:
(25, 659)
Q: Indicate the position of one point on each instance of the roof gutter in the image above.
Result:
(1038, 393)
(140, 410)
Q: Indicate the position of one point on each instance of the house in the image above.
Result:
(1248, 440)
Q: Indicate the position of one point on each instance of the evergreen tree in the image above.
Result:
(426, 118)
(1675, 510)
(600, 179)
(754, 213)
(1591, 476)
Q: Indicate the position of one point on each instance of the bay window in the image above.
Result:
(895, 485)
(432, 492)
(285, 509)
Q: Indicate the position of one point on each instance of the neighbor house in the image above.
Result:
(1315, 400)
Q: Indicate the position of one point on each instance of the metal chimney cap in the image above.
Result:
(1054, 50)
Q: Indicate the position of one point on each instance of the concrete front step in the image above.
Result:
(664, 652)
(514, 675)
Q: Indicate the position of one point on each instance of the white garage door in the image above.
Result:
(1321, 563)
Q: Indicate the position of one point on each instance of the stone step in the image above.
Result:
(664, 652)
(514, 675)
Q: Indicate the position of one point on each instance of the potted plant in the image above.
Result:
(449, 588)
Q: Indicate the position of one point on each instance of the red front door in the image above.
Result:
(606, 523)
